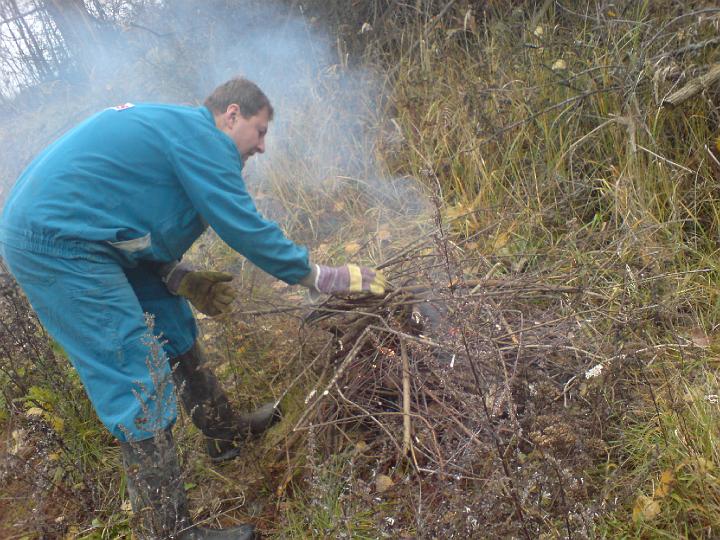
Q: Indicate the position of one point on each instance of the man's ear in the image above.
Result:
(228, 118)
(232, 112)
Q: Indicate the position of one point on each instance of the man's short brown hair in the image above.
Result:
(246, 94)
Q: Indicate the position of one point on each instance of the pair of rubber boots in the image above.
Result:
(154, 483)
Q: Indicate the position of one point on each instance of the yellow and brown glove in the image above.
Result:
(208, 291)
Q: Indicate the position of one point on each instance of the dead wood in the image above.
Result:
(693, 88)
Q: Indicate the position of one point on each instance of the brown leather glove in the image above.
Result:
(208, 291)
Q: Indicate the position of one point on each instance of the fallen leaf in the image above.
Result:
(645, 508)
(34, 411)
(501, 240)
(351, 248)
(666, 480)
(699, 338)
(383, 233)
(383, 483)
(704, 466)
(321, 251)
(57, 423)
(559, 65)
(538, 31)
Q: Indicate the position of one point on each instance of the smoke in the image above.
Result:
(328, 117)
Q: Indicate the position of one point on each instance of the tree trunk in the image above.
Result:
(80, 32)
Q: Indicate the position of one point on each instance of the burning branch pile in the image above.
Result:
(473, 383)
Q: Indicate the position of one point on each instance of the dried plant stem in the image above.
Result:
(348, 359)
(407, 442)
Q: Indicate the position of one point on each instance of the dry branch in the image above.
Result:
(463, 376)
(693, 88)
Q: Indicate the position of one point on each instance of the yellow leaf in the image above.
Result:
(667, 476)
(57, 423)
(501, 240)
(321, 251)
(666, 480)
(339, 206)
(383, 233)
(383, 483)
(72, 532)
(34, 411)
(457, 210)
(351, 248)
(559, 65)
(704, 466)
(645, 508)
(538, 31)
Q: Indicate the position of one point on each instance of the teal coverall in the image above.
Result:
(92, 218)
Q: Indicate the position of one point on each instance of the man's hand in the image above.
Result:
(345, 279)
(208, 291)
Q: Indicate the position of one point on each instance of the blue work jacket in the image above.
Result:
(142, 182)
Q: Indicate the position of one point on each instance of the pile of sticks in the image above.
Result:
(434, 367)
(468, 371)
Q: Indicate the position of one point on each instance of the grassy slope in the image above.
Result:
(557, 126)
(570, 165)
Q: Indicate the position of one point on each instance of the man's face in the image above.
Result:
(248, 134)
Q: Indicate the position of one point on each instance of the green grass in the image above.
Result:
(326, 507)
(578, 169)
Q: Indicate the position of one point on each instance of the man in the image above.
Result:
(93, 230)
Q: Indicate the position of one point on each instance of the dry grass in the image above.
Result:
(544, 163)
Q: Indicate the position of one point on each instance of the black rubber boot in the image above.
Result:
(158, 497)
(209, 409)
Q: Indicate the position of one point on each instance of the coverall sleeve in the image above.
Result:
(209, 170)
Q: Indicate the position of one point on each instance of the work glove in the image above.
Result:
(349, 278)
(209, 292)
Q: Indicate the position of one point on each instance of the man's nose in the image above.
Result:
(261, 147)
